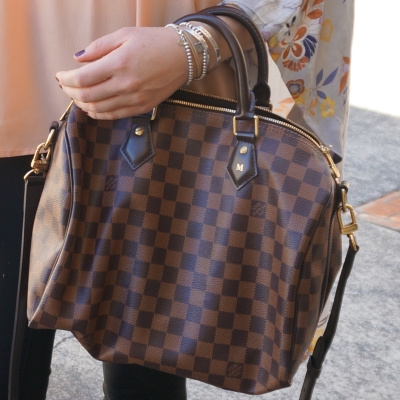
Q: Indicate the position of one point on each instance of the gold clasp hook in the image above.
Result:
(41, 158)
(40, 162)
(351, 227)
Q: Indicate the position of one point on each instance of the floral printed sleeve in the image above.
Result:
(310, 42)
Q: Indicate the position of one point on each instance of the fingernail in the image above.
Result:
(60, 86)
(79, 53)
(85, 111)
(57, 79)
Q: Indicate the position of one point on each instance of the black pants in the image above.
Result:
(133, 382)
(38, 345)
(121, 382)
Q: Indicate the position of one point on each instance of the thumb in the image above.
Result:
(101, 47)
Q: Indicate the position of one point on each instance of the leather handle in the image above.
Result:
(261, 89)
(245, 105)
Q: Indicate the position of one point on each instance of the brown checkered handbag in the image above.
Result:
(201, 240)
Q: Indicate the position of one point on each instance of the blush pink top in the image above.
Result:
(40, 37)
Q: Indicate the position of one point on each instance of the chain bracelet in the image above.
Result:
(184, 42)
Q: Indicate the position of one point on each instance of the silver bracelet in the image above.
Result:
(183, 42)
(201, 43)
(214, 44)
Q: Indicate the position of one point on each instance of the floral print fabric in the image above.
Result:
(310, 42)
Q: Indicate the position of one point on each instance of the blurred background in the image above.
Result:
(375, 83)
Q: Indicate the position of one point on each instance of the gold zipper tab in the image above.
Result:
(67, 111)
(332, 165)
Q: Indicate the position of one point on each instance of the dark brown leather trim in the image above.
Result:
(242, 166)
(137, 149)
(261, 90)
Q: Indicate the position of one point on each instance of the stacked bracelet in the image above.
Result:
(196, 33)
(200, 35)
(184, 42)
(194, 50)
(213, 43)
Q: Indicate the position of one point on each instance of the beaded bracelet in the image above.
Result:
(193, 49)
(214, 44)
(184, 42)
(201, 42)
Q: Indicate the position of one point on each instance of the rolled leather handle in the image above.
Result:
(261, 89)
(246, 103)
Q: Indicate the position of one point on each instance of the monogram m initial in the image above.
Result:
(239, 167)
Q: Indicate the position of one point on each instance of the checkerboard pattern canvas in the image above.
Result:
(170, 266)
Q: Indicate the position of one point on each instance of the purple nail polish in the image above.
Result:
(79, 53)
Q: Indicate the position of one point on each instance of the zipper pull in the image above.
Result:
(327, 152)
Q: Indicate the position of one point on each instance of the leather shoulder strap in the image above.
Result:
(314, 366)
(33, 190)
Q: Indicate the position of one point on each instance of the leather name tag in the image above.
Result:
(242, 166)
(138, 146)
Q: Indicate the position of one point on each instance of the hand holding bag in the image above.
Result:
(201, 240)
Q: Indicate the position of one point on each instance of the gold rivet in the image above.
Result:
(139, 131)
(243, 150)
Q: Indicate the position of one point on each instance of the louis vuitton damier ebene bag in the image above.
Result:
(201, 240)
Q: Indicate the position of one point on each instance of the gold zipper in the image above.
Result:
(292, 125)
(229, 110)
(303, 131)
(203, 106)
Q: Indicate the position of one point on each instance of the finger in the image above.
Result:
(102, 46)
(130, 101)
(86, 76)
(101, 66)
(103, 106)
(100, 91)
(119, 113)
